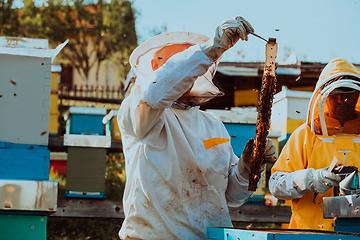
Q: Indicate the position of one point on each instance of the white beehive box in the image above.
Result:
(28, 195)
(25, 80)
(289, 111)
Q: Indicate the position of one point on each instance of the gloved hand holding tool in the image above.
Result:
(226, 36)
(270, 156)
(318, 181)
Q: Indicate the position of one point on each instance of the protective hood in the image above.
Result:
(140, 60)
(327, 82)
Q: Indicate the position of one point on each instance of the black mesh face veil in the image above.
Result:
(337, 79)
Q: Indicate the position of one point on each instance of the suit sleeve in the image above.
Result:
(145, 105)
(293, 157)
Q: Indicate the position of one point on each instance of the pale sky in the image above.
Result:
(314, 30)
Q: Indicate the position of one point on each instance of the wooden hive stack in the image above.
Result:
(87, 139)
(26, 194)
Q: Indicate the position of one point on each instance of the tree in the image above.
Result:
(30, 20)
(117, 33)
(96, 30)
(9, 21)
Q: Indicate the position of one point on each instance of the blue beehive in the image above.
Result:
(85, 120)
(236, 234)
(240, 133)
(241, 124)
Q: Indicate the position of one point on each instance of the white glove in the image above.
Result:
(270, 155)
(226, 35)
(311, 180)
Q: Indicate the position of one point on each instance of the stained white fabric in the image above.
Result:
(294, 185)
(177, 184)
(281, 185)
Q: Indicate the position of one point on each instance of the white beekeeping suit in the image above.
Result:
(181, 170)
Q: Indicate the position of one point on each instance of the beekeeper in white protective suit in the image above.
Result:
(180, 167)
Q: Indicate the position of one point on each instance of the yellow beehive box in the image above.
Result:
(54, 98)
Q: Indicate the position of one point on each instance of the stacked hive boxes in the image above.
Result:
(26, 194)
(289, 112)
(86, 139)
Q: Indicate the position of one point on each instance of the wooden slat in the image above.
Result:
(56, 144)
(93, 208)
(261, 213)
(90, 208)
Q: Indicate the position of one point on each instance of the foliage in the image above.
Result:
(97, 30)
(61, 182)
(30, 20)
(117, 34)
(9, 21)
(114, 178)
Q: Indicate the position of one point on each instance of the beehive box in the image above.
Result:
(345, 210)
(241, 124)
(26, 195)
(289, 112)
(86, 165)
(25, 84)
(85, 120)
(24, 161)
(24, 105)
(54, 97)
(86, 171)
(267, 234)
(19, 227)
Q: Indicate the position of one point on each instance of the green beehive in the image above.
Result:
(22, 227)
(86, 164)
(86, 169)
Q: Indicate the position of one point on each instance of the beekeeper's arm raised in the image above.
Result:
(177, 72)
(175, 68)
(185, 67)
